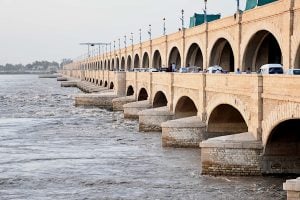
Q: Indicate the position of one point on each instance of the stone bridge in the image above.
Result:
(246, 124)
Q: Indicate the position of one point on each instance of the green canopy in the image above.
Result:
(198, 19)
(253, 3)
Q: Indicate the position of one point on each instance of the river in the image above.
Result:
(50, 149)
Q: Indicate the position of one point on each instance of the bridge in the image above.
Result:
(245, 124)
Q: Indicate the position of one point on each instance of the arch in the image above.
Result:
(105, 84)
(175, 57)
(194, 56)
(108, 64)
(185, 107)
(226, 119)
(130, 91)
(136, 63)
(101, 82)
(282, 150)
(97, 81)
(122, 63)
(145, 60)
(128, 62)
(118, 64)
(160, 100)
(113, 64)
(262, 48)
(143, 95)
(111, 85)
(101, 65)
(105, 65)
(156, 62)
(222, 55)
(297, 59)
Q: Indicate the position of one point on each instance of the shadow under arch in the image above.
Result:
(160, 100)
(143, 95)
(185, 107)
(130, 91)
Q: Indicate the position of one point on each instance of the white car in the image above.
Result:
(271, 69)
(293, 72)
(215, 69)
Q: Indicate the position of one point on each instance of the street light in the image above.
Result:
(205, 11)
(238, 5)
(140, 31)
(114, 45)
(125, 40)
(131, 38)
(149, 32)
(182, 19)
(164, 26)
(119, 43)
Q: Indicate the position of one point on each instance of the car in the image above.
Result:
(183, 70)
(271, 69)
(151, 70)
(215, 69)
(139, 69)
(293, 72)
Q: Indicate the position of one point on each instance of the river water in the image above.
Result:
(50, 149)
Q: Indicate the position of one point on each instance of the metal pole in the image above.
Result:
(131, 39)
(164, 26)
(140, 30)
(205, 11)
(149, 32)
(182, 19)
(119, 43)
(114, 45)
(125, 41)
(238, 5)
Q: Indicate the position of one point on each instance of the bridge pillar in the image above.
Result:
(293, 189)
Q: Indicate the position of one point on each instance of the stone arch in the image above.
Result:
(105, 84)
(136, 61)
(112, 64)
(185, 107)
(128, 62)
(194, 56)
(175, 57)
(105, 65)
(143, 95)
(122, 63)
(231, 100)
(160, 100)
(130, 91)
(101, 82)
(118, 64)
(146, 61)
(108, 64)
(101, 65)
(282, 150)
(222, 54)
(297, 59)
(262, 48)
(111, 85)
(226, 119)
(156, 61)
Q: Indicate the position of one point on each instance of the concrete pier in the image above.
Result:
(48, 76)
(293, 189)
(184, 132)
(131, 110)
(237, 155)
(119, 102)
(151, 119)
(62, 78)
(89, 87)
(69, 83)
(101, 100)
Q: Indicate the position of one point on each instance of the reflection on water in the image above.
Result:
(50, 149)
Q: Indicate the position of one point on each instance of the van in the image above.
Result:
(271, 69)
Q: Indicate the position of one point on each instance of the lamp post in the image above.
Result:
(131, 38)
(125, 41)
(164, 26)
(149, 32)
(114, 45)
(182, 19)
(140, 32)
(238, 5)
(205, 11)
(119, 43)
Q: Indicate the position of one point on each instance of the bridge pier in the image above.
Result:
(151, 119)
(119, 102)
(293, 189)
(184, 132)
(103, 100)
(237, 155)
(131, 110)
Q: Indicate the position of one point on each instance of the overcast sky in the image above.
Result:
(52, 29)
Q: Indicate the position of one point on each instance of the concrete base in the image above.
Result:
(238, 154)
(119, 102)
(131, 110)
(69, 84)
(99, 100)
(293, 189)
(90, 88)
(151, 119)
(48, 76)
(62, 78)
(185, 132)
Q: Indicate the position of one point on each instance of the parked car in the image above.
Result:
(293, 72)
(139, 69)
(271, 69)
(151, 70)
(183, 70)
(215, 69)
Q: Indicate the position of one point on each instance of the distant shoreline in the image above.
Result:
(20, 73)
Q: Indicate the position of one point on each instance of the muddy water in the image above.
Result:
(50, 149)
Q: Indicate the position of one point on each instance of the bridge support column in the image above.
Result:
(131, 110)
(119, 102)
(151, 119)
(235, 155)
(103, 100)
(184, 132)
(293, 189)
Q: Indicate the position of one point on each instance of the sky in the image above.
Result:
(52, 29)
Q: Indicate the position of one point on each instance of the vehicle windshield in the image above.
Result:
(275, 70)
(297, 72)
